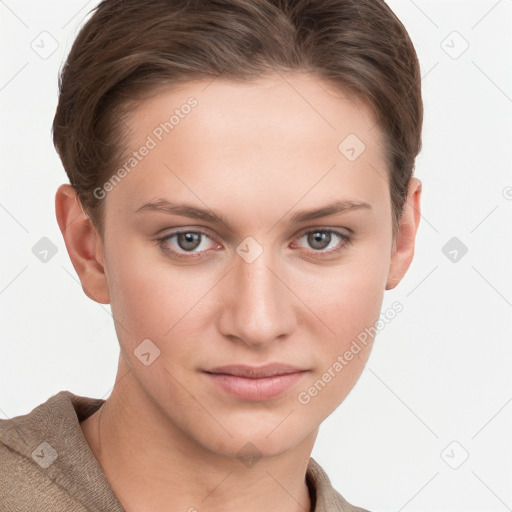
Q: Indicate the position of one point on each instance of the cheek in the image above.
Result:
(140, 292)
(349, 297)
(350, 305)
(348, 300)
(151, 298)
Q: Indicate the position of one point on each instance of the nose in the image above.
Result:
(257, 307)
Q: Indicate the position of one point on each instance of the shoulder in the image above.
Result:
(26, 454)
(326, 497)
(18, 434)
(45, 462)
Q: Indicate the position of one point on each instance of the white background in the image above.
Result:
(439, 373)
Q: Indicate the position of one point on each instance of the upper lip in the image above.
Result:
(256, 372)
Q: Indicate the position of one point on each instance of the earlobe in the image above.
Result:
(403, 247)
(83, 243)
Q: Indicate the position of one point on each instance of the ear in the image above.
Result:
(403, 246)
(84, 245)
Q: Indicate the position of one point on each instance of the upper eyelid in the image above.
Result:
(321, 228)
(301, 232)
(177, 231)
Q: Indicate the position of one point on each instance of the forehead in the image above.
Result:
(289, 128)
(297, 106)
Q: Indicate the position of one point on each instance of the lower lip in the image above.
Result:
(255, 390)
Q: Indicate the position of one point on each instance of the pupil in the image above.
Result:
(319, 239)
(188, 241)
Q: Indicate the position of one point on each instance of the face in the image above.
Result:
(254, 230)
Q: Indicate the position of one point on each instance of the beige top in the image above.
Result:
(46, 464)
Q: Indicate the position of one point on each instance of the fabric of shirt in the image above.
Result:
(46, 464)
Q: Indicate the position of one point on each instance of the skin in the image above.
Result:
(256, 154)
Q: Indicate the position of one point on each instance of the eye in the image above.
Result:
(190, 244)
(324, 241)
(182, 242)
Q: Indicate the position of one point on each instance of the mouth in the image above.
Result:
(253, 383)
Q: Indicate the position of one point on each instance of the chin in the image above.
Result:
(250, 445)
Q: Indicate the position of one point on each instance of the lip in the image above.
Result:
(255, 383)
(256, 372)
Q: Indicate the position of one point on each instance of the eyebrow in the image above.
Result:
(330, 209)
(164, 206)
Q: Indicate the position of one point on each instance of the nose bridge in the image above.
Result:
(259, 308)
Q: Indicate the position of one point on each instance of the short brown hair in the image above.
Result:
(131, 47)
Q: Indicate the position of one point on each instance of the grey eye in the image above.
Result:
(188, 240)
(319, 239)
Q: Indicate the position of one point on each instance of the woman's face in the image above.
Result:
(279, 190)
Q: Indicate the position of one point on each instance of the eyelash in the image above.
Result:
(345, 240)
